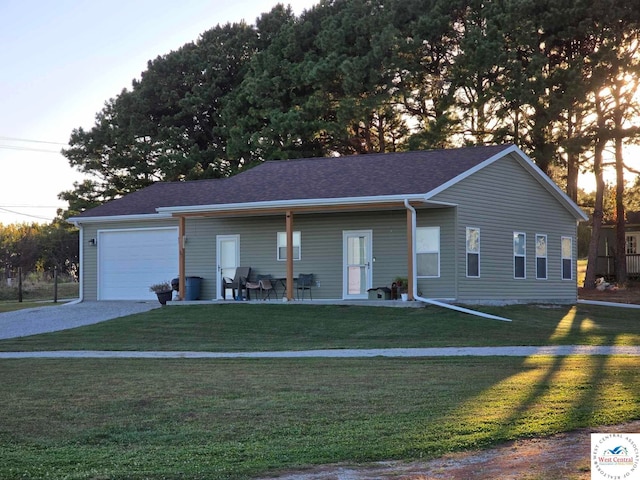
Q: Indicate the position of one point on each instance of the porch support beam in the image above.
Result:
(410, 276)
(289, 226)
(181, 258)
(300, 209)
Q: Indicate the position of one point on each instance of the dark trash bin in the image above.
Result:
(192, 287)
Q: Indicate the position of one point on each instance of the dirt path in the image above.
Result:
(622, 295)
(560, 457)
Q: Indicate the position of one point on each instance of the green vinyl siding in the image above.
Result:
(501, 199)
(444, 286)
(321, 247)
(89, 263)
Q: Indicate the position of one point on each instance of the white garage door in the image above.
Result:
(129, 261)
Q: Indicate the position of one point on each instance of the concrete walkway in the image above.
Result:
(559, 350)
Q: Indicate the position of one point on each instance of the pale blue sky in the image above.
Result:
(61, 60)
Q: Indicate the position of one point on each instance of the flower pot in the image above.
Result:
(164, 297)
(405, 296)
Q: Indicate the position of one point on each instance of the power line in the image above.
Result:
(15, 139)
(28, 149)
(24, 214)
(30, 206)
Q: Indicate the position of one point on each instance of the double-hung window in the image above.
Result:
(473, 252)
(567, 258)
(519, 255)
(541, 257)
(282, 245)
(428, 251)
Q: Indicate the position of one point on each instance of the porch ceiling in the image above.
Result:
(264, 211)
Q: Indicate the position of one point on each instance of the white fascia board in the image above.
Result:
(438, 203)
(314, 202)
(529, 165)
(118, 218)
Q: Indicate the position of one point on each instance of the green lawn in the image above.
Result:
(236, 419)
(35, 294)
(234, 327)
(156, 419)
(10, 306)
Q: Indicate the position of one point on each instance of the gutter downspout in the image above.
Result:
(415, 278)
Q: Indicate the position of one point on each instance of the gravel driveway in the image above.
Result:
(32, 321)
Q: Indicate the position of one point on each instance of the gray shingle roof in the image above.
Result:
(405, 173)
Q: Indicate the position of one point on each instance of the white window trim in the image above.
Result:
(522, 256)
(466, 242)
(546, 256)
(563, 258)
(279, 246)
(430, 251)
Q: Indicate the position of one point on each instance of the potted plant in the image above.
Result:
(401, 286)
(163, 290)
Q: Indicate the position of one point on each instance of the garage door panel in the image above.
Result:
(129, 261)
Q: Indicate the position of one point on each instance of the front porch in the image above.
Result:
(346, 252)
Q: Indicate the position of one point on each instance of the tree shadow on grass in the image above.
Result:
(551, 394)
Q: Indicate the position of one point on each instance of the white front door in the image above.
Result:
(357, 261)
(227, 259)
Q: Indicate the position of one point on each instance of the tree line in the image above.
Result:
(38, 248)
(556, 77)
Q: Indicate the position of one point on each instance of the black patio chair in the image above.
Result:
(305, 282)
